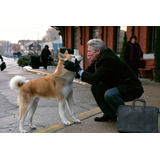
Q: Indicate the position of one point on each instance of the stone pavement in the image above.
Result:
(88, 125)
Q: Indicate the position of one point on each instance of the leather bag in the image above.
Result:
(137, 119)
(3, 66)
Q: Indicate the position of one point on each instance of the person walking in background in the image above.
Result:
(1, 58)
(3, 64)
(133, 54)
(15, 56)
(19, 54)
(44, 56)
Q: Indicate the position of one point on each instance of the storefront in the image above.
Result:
(76, 38)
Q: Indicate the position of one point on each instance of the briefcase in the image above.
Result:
(3, 66)
(137, 119)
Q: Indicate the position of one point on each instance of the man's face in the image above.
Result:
(92, 55)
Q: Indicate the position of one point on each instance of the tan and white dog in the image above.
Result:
(56, 85)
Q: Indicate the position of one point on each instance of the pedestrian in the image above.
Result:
(3, 64)
(113, 81)
(1, 58)
(133, 54)
(45, 55)
(15, 55)
(19, 54)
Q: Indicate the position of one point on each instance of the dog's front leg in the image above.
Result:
(62, 112)
(70, 104)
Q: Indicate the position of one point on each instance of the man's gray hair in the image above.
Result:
(96, 44)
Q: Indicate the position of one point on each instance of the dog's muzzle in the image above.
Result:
(74, 67)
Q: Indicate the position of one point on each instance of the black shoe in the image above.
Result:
(105, 119)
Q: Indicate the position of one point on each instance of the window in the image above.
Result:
(151, 37)
(75, 37)
(81, 34)
(120, 36)
(94, 32)
(102, 34)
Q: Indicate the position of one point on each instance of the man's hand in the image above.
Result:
(74, 67)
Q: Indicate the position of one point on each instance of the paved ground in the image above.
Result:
(47, 111)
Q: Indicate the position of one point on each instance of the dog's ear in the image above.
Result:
(61, 56)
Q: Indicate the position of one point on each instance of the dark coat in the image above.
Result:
(1, 58)
(45, 54)
(133, 54)
(113, 72)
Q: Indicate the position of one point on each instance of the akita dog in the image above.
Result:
(56, 85)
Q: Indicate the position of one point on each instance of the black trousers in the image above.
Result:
(45, 64)
(107, 99)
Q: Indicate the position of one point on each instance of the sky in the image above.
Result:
(15, 33)
(31, 19)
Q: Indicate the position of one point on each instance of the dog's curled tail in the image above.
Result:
(17, 81)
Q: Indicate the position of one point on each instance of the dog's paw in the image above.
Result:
(32, 127)
(67, 123)
(77, 121)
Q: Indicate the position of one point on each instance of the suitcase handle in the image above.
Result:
(140, 100)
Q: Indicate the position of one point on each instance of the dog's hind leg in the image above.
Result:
(62, 112)
(70, 104)
(24, 108)
(32, 111)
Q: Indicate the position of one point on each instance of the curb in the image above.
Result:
(60, 125)
(37, 72)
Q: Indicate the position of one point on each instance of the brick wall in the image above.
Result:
(141, 33)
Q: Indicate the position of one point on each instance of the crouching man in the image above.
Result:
(113, 81)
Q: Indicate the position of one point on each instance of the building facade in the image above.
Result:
(32, 46)
(76, 38)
